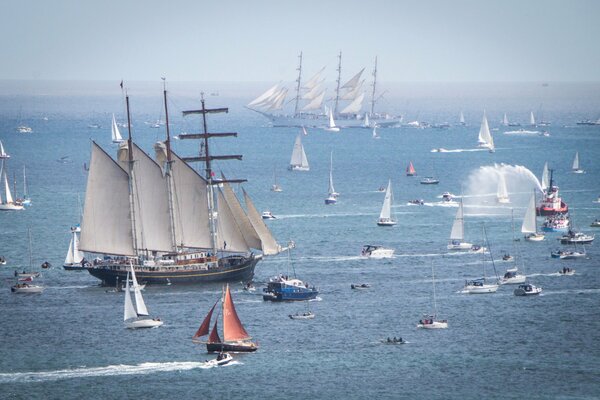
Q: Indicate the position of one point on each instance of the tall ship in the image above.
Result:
(551, 203)
(174, 224)
(308, 104)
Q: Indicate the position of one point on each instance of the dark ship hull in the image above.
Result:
(230, 347)
(230, 269)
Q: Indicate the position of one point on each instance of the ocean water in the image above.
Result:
(69, 342)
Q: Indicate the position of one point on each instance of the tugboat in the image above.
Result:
(552, 204)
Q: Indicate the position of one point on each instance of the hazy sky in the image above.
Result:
(259, 40)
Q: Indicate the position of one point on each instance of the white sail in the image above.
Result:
(545, 177)
(264, 96)
(116, 135)
(69, 257)
(315, 104)
(128, 310)
(314, 81)
(314, 92)
(531, 119)
(151, 200)
(353, 82)
(386, 209)
(248, 232)
(458, 227)
(484, 131)
(353, 93)
(502, 192)
(367, 123)
(106, 226)
(462, 118)
(269, 245)
(331, 189)
(355, 106)
(529, 222)
(505, 120)
(298, 155)
(576, 162)
(139, 300)
(229, 235)
(2, 152)
(74, 256)
(331, 120)
(190, 202)
(7, 194)
(277, 102)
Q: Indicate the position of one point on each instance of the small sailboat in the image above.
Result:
(3, 153)
(457, 234)
(235, 337)
(275, 187)
(532, 119)
(461, 119)
(529, 226)
(431, 321)
(505, 120)
(485, 138)
(26, 200)
(332, 127)
(375, 134)
(138, 316)
(367, 123)
(482, 285)
(576, 168)
(74, 258)
(299, 162)
(332, 196)
(502, 192)
(116, 134)
(410, 170)
(385, 217)
(7, 203)
(512, 275)
(24, 279)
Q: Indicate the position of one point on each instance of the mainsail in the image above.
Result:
(229, 235)
(128, 309)
(458, 229)
(529, 221)
(545, 177)
(331, 189)
(248, 232)
(139, 300)
(298, 155)
(116, 135)
(576, 162)
(268, 243)
(485, 136)
(386, 209)
(233, 330)
(74, 256)
(531, 119)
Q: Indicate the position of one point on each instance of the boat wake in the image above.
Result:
(110, 370)
(457, 150)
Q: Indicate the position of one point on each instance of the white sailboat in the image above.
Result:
(138, 316)
(26, 201)
(116, 134)
(24, 280)
(3, 153)
(512, 275)
(275, 187)
(385, 217)
(332, 196)
(576, 168)
(505, 120)
(485, 138)
(481, 285)
(529, 226)
(367, 123)
(502, 192)
(74, 255)
(431, 321)
(457, 235)
(299, 162)
(545, 182)
(332, 127)
(531, 119)
(462, 119)
(7, 203)
(375, 134)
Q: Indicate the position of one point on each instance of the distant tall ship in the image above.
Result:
(174, 224)
(310, 95)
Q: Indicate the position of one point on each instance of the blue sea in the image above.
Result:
(70, 343)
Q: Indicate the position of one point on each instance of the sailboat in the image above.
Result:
(505, 120)
(275, 187)
(235, 337)
(74, 258)
(367, 123)
(8, 203)
(512, 275)
(531, 119)
(26, 201)
(332, 196)
(502, 193)
(189, 228)
(462, 119)
(576, 169)
(410, 170)
(485, 137)
(481, 285)
(431, 321)
(375, 134)
(457, 234)
(3, 153)
(529, 226)
(299, 162)
(385, 217)
(116, 134)
(24, 280)
(332, 127)
(138, 316)
(545, 182)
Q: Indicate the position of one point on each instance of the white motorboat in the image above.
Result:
(527, 290)
(24, 129)
(221, 359)
(529, 226)
(138, 316)
(566, 271)
(375, 251)
(568, 254)
(385, 217)
(595, 224)
(431, 321)
(573, 237)
(26, 288)
(268, 215)
(302, 315)
(429, 180)
(457, 235)
(299, 162)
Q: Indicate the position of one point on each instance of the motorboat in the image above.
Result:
(284, 288)
(394, 340)
(360, 286)
(566, 271)
(302, 315)
(439, 150)
(552, 203)
(568, 254)
(375, 251)
(417, 202)
(429, 322)
(429, 180)
(595, 224)
(527, 290)
(249, 287)
(26, 288)
(268, 215)
(448, 197)
(222, 359)
(573, 237)
(507, 257)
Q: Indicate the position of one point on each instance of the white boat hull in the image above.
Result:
(27, 289)
(535, 237)
(386, 222)
(298, 168)
(143, 323)
(514, 280)
(462, 246)
(11, 207)
(522, 292)
(381, 253)
(480, 289)
(434, 325)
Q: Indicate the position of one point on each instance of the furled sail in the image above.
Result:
(268, 243)
(458, 229)
(106, 226)
(233, 329)
(229, 234)
(355, 106)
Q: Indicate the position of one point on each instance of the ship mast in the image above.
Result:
(337, 90)
(131, 175)
(374, 85)
(298, 85)
(168, 169)
(207, 158)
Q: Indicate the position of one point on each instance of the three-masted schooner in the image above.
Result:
(175, 224)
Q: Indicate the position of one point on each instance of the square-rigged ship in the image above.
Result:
(175, 224)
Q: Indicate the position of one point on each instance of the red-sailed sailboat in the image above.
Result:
(410, 170)
(235, 337)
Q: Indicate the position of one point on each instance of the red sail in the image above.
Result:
(203, 330)
(214, 335)
(410, 170)
(232, 327)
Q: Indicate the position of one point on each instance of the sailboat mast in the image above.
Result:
(298, 85)
(434, 298)
(30, 250)
(374, 86)
(131, 176)
(24, 184)
(337, 89)
(168, 170)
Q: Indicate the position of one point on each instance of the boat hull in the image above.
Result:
(480, 289)
(74, 267)
(434, 325)
(248, 347)
(243, 271)
(291, 295)
(27, 289)
(535, 237)
(143, 323)
(549, 211)
(11, 207)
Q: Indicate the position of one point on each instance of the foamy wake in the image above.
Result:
(457, 150)
(111, 370)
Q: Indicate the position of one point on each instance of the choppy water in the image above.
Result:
(70, 342)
